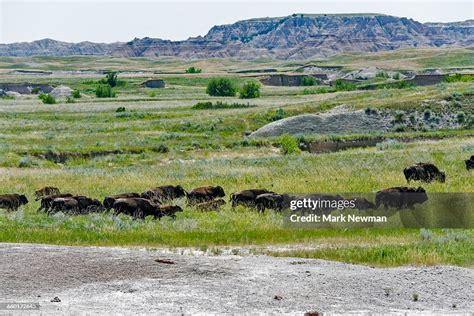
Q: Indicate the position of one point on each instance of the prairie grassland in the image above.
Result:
(160, 140)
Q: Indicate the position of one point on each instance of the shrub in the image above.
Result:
(47, 98)
(412, 118)
(381, 74)
(250, 90)
(76, 94)
(120, 109)
(221, 87)
(279, 114)
(308, 81)
(152, 94)
(461, 117)
(455, 96)
(459, 78)
(342, 85)
(427, 114)
(369, 111)
(399, 128)
(396, 76)
(104, 91)
(26, 162)
(193, 70)
(289, 145)
(399, 117)
(111, 79)
(161, 148)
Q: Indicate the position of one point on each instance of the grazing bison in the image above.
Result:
(63, 204)
(271, 201)
(11, 202)
(210, 205)
(109, 200)
(203, 194)
(470, 163)
(246, 197)
(46, 191)
(425, 172)
(135, 207)
(47, 200)
(164, 193)
(400, 197)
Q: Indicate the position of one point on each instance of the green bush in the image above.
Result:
(427, 114)
(399, 117)
(152, 94)
(461, 117)
(76, 94)
(111, 79)
(289, 145)
(250, 90)
(193, 70)
(342, 85)
(381, 74)
(308, 81)
(104, 91)
(396, 76)
(120, 109)
(369, 111)
(221, 87)
(47, 98)
(459, 78)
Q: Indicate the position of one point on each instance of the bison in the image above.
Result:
(470, 163)
(271, 201)
(203, 194)
(75, 205)
(168, 210)
(363, 204)
(11, 202)
(109, 200)
(164, 193)
(135, 207)
(210, 205)
(47, 200)
(246, 197)
(46, 191)
(425, 172)
(400, 197)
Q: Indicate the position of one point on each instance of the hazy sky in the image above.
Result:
(110, 21)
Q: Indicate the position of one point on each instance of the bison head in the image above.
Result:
(441, 176)
(421, 195)
(23, 199)
(179, 191)
(219, 191)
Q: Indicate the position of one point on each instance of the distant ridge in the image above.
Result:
(298, 36)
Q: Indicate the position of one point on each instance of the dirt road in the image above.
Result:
(130, 281)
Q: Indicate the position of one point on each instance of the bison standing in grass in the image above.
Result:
(246, 197)
(469, 163)
(400, 197)
(75, 205)
(46, 191)
(110, 200)
(47, 200)
(271, 201)
(134, 207)
(11, 202)
(425, 172)
(164, 193)
(204, 194)
(210, 205)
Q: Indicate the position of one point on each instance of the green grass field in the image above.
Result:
(159, 139)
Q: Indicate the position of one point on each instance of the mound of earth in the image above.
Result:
(61, 92)
(370, 72)
(334, 122)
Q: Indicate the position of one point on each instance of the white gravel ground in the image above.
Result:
(99, 280)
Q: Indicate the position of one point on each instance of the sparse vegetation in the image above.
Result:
(220, 105)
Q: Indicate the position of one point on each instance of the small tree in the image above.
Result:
(47, 98)
(193, 70)
(104, 91)
(111, 79)
(221, 87)
(76, 94)
(307, 81)
(289, 145)
(250, 90)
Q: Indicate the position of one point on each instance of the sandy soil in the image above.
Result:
(101, 280)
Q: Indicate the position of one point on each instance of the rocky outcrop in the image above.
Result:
(293, 37)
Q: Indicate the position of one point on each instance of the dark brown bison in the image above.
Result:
(425, 172)
(271, 201)
(164, 193)
(470, 163)
(47, 200)
(109, 200)
(210, 205)
(400, 197)
(11, 202)
(246, 197)
(135, 207)
(46, 191)
(75, 205)
(203, 194)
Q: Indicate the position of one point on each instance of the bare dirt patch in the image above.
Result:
(131, 281)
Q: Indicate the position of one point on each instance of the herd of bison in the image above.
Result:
(155, 202)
